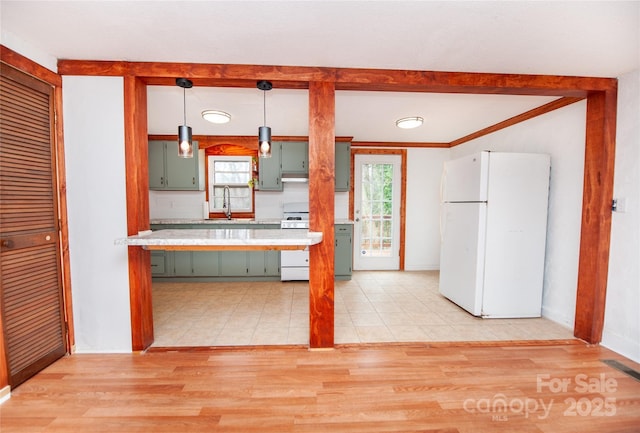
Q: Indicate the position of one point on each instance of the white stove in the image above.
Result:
(295, 216)
(294, 264)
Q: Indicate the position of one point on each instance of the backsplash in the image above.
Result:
(189, 204)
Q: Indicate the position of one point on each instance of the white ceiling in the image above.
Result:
(541, 37)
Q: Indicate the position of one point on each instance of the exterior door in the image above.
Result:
(377, 193)
(31, 296)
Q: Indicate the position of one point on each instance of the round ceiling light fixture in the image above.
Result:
(409, 122)
(216, 116)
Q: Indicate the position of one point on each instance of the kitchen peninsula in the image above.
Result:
(223, 239)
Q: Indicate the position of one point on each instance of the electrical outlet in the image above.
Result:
(619, 205)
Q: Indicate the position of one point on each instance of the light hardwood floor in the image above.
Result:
(439, 387)
(373, 307)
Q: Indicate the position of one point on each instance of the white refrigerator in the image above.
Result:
(493, 225)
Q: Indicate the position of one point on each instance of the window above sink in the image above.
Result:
(233, 174)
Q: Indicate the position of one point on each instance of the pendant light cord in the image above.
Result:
(264, 107)
(184, 104)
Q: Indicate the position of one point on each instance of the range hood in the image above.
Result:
(295, 177)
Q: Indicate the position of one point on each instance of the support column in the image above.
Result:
(137, 171)
(596, 215)
(321, 212)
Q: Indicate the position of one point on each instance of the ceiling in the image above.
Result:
(556, 38)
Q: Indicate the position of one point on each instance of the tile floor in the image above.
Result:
(372, 307)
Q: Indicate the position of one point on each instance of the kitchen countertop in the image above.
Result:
(223, 239)
(167, 221)
(214, 221)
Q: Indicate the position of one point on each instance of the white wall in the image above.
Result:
(16, 44)
(422, 240)
(622, 318)
(96, 195)
(561, 134)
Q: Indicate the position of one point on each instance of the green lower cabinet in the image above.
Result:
(182, 264)
(193, 263)
(205, 263)
(233, 264)
(343, 251)
(158, 263)
(241, 265)
(272, 263)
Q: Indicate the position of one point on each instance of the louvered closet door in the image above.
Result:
(31, 289)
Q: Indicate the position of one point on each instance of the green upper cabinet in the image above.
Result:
(343, 166)
(295, 157)
(168, 171)
(292, 158)
(269, 170)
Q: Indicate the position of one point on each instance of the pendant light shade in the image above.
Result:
(264, 142)
(264, 132)
(185, 143)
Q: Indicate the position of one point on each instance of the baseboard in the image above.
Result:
(421, 267)
(622, 345)
(5, 394)
(557, 317)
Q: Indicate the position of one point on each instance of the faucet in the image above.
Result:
(226, 201)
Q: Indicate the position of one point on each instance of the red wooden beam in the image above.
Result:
(137, 172)
(321, 213)
(596, 215)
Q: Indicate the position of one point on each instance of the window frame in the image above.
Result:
(210, 164)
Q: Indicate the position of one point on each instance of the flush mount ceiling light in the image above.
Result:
(264, 132)
(185, 144)
(409, 122)
(216, 116)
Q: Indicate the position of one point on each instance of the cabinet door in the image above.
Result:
(182, 173)
(182, 264)
(343, 166)
(295, 157)
(233, 263)
(269, 170)
(205, 263)
(255, 263)
(156, 165)
(272, 263)
(343, 250)
(158, 263)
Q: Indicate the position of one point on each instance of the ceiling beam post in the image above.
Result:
(137, 184)
(595, 234)
(321, 213)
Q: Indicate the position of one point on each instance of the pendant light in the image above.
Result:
(264, 132)
(185, 143)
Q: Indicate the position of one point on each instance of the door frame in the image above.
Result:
(403, 190)
(370, 262)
